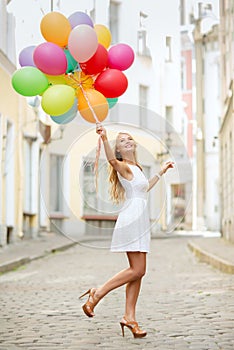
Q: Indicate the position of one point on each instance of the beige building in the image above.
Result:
(207, 73)
(18, 137)
(226, 134)
(23, 137)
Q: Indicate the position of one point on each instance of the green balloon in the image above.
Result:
(29, 81)
(72, 64)
(112, 102)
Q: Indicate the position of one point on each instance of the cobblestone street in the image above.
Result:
(183, 304)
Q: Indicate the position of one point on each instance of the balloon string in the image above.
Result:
(98, 149)
(89, 104)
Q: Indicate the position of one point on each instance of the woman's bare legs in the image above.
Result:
(135, 272)
(133, 288)
(132, 293)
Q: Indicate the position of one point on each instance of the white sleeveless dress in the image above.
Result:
(132, 228)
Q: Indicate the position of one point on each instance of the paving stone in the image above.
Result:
(183, 304)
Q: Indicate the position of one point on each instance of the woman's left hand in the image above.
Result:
(167, 166)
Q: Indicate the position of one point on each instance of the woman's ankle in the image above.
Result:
(97, 295)
(129, 317)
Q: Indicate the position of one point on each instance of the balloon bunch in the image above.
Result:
(74, 69)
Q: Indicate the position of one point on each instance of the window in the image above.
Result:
(142, 36)
(96, 202)
(168, 57)
(31, 159)
(56, 183)
(143, 95)
(143, 104)
(114, 21)
(92, 14)
(183, 74)
(169, 115)
(204, 9)
(99, 203)
(182, 12)
(89, 191)
(142, 48)
(178, 202)
(27, 177)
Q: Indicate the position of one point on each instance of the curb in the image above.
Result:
(215, 261)
(14, 264)
(11, 265)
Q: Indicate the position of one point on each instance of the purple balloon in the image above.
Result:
(26, 56)
(79, 18)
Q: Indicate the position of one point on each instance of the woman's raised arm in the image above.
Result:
(110, 156)
(156, 177)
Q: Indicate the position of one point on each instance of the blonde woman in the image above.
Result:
(132, 230)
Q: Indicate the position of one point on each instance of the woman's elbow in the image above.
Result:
(113, 162)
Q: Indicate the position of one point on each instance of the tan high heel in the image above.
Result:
(88, 307)
(134, 328)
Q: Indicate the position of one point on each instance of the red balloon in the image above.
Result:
(97, 62)
(111, 83)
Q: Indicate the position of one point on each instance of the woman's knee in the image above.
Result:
(138, 273)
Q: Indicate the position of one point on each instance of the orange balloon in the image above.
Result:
(103, 35)
(56, 28)
(98, 103)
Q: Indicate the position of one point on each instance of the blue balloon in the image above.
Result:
(68, 116)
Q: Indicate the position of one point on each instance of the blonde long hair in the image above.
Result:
(117, 191)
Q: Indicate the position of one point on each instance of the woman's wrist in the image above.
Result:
(159, 174)
(104, 138)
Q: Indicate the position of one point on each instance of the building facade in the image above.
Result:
(226, 138)
(201, 64)
(151, 109)
(18, 145)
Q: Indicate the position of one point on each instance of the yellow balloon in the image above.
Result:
(56, 79)
(58, 99)
(98, 103)
(79, 79)
(103, 35)
(56, 28)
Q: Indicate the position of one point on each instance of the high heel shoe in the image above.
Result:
(89, 305)
(134, 328)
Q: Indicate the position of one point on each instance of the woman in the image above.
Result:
(132, 230)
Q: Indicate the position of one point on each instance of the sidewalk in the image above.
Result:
(215, 251)
(212, 250)
(16, 254)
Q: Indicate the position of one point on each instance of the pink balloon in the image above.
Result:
(82, 42)
(50, 59)
(120, 56)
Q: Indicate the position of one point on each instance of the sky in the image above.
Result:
(29, 13)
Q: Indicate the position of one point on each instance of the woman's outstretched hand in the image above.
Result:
(101, 130)
(167, 166)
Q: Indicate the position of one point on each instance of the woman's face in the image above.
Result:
(125, 144)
